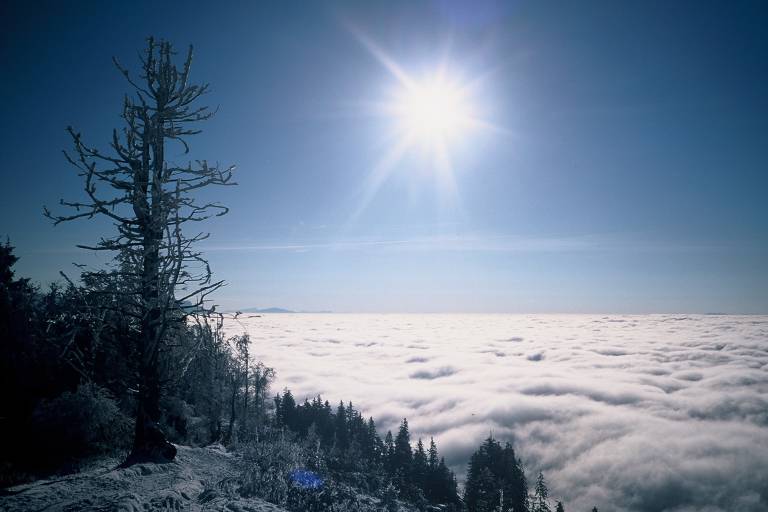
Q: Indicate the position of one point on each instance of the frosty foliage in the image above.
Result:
(271, 470)
(82, 423)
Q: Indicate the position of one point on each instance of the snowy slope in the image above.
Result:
(196, 480)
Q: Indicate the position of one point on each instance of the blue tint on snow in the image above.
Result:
(306, 479)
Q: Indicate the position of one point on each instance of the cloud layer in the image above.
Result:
(629, 413)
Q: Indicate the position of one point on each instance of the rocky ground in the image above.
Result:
(199, 479)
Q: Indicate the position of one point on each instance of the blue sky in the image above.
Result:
(626, 173)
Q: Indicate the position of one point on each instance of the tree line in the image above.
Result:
(350, 443)
(73, 397)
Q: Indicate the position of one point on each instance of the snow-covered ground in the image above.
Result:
(654, 412)
(194, 481)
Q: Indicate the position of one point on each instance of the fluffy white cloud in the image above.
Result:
(629, 413)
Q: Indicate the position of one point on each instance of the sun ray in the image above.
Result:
(378, 176)
(380, 55)
(432, 114)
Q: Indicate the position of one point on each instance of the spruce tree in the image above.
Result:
(288, 410)
(370, 445)
(507, 475)
(487, 492)
(448, 488)
(403, 459)
(342, 436)
(433, 455)
(432, 483)
(513, 480)
(541, 495)
(389, 454)
(420, 466)
(403, 451)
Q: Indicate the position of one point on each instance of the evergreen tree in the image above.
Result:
(432, 480)
(433, 460)
(402, 460)
(506, 473)
(340, 430)
(487, 492)
(403, 456)
(30, 365)
(420, 466)
(288, 410)
(446, 485)
(540, 496)
(559, 507)
(389, 453)
(326, 420)
(372, 445)
(513, 480)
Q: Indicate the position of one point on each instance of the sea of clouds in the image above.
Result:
(629, 413)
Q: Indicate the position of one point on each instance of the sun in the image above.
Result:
(431, 120)
(432, 112)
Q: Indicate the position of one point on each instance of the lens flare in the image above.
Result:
(433, 116)
(432, 112)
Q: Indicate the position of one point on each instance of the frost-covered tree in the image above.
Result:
(389, 453)
(540, 501)
(559, 507)
(158, 277)
(261, 377)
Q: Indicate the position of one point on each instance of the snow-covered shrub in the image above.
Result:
(267, 469)
(331, 496)
(389, 499)
(80, 424)
(282, 472)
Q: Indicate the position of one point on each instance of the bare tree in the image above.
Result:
(158, 277)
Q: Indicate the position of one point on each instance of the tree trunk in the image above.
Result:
(232, 415)
(149, 443)
(245, 396)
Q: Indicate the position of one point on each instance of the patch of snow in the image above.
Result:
(195, 481)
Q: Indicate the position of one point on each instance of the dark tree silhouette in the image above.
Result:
(342, 436)
(420, 466)
(402, 458)
(493, 469)
(158, 278)
(389, 454)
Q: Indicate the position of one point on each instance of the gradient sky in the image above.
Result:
(627, 173)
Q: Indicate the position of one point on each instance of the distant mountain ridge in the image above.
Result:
(277, 310)
(266, 310)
